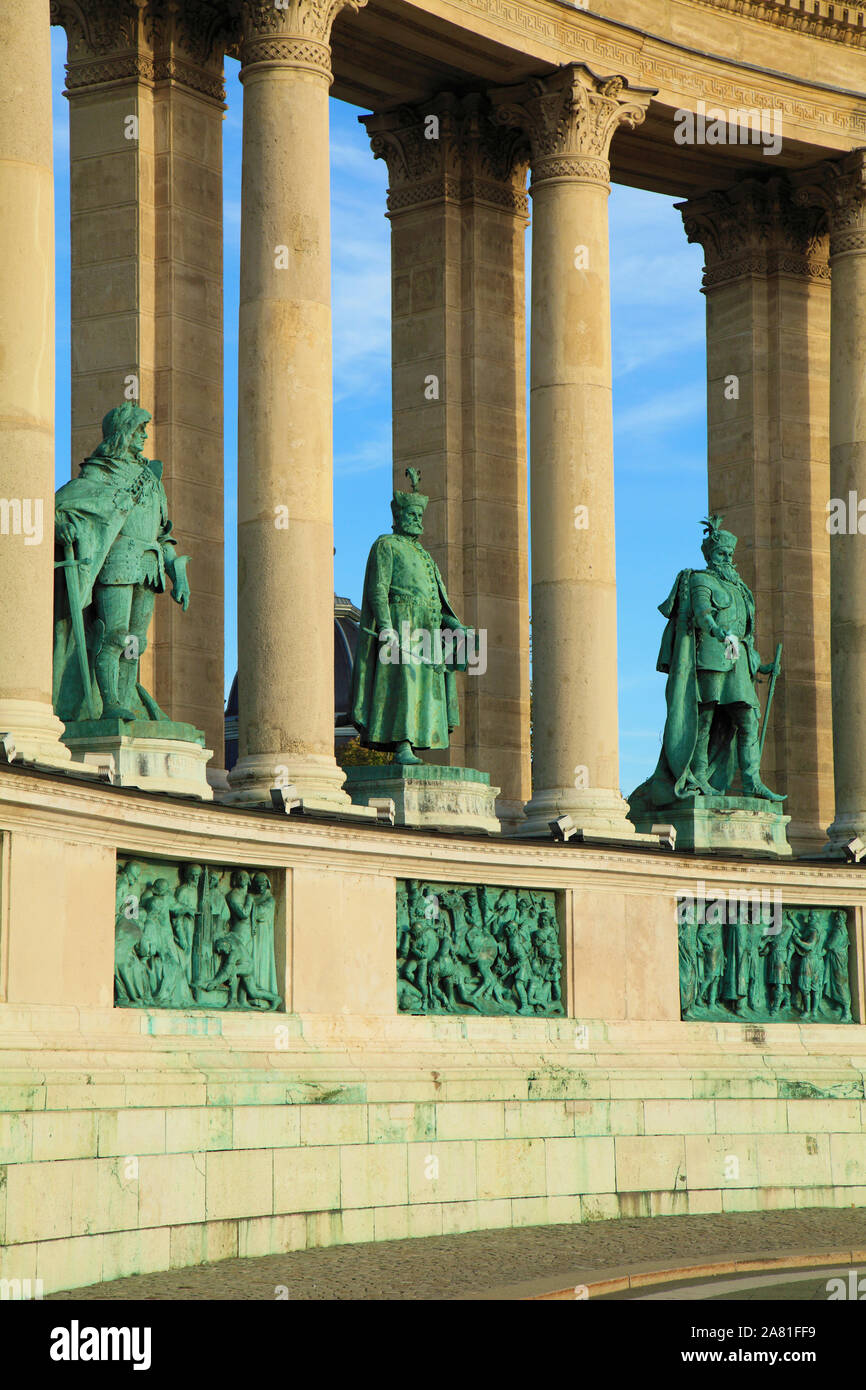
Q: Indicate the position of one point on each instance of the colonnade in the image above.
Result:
(458, 210)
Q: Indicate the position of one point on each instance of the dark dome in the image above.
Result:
(347, 619)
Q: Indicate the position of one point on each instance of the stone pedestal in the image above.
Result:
(722, 824)
(442, 798)
(158, 755)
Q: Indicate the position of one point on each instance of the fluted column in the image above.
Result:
(767, 284)
(27, 381)
(839, 187)
(571, 118)
(285, 457)
(458, 210)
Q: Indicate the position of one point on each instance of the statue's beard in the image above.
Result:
(725, 568)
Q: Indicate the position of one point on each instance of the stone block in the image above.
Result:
(136, 1252)
(198, 1245)
(405, 1122)
(332, 1124)
(509, 1168)
(267, 1126)
(38, 1202)
(306, 1179)
(240, 1182)
(575, 1166)
(442, 1172)
(654, 1163)
(722, 1160)
(848, 1159)
(70, 1263)
(195, 1128)
(16, 1138)
(131, 1132)
(750, 1117)
(530, 1211)
(171, 1189)
(679, 1117)
(271, 1235)
(802, 1159)
(538, 1118)
(373, 1176)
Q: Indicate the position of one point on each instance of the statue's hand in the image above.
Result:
(732, 646)
(64, 528)
(180, 591)
(767, 668)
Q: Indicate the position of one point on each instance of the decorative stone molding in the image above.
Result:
(690, 77)
(821, 19)
(115, 40)
(756, 228)
(450, 149)
(570, 119)
(293, 34)
(838, 186)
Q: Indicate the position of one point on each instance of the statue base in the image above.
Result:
(722, 825)
(429, 796)
(157, 755)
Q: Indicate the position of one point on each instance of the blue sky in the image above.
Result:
(659, 395)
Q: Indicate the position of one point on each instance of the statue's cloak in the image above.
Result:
(398, 700)
(99, 501)
(673, 776)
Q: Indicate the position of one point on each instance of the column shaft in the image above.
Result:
(27, 381)
(570, 119)
(285, 466)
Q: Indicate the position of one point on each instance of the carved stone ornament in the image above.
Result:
(570, 119)
(757, 227)
(467, 949)
(193, 936)
(450, 148)
(839, 187)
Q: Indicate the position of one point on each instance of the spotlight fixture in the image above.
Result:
(855, 850)
(286, 798)
(563, 828)
(667, 835)
(385, 809)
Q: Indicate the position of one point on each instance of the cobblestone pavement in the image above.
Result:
(497, 1264)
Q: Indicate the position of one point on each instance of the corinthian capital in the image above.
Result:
(570, 119)
(290, 33)
(449, 147)
(756, 228)
(839, 187)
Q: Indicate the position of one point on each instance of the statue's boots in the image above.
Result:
(107, 669)
(700, 762)
(403, 754)
(748, 750)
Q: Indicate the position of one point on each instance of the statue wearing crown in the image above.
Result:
(711, 660)
(404, 692)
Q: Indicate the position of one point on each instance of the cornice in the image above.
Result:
(820, 19)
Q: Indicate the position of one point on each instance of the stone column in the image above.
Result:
(27, 381)
(145, 91)
(571, 118)
(767, 284)
(285, 457)
(839, 187)
(458, 211)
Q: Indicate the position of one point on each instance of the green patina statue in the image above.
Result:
(709, 655)
(116, 553)
(404, 693)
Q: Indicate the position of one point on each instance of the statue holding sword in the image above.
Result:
(115, 554)
(709, 655)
